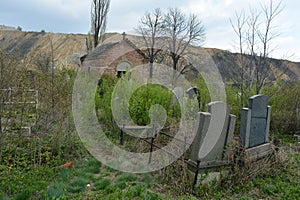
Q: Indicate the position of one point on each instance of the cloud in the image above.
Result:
(73, 16)
(52, 15)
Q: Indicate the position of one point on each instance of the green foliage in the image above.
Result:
(103, 101)
(27, 182)
(127, 177)
(92, 166)
(146, 96)
(284, 99)
(56, 191)
(101, 184)
(120, 184)
(135, 191)
(77, 185)
(139, 104)
(204, 95)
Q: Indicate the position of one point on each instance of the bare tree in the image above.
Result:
(256, 33)
(89, 42)
(266, 35)
(238, 27)
(99, 10)
(150, 27)
(182, 31)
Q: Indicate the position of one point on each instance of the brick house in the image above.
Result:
(114, 57)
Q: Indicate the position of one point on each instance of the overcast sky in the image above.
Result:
(73, 16)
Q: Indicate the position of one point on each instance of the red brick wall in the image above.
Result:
(114, 55)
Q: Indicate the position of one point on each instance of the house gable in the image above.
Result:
(111, 55)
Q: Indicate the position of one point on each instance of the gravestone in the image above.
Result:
(178, 95)
(211, 146)
(255, 122)
(191, 92)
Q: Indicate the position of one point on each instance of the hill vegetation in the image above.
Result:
(66, 50)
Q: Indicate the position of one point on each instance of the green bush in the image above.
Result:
(139, 104)
(146, 96)
(284, 99)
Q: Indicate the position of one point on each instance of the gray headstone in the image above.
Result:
(255, 121)
(258, 104)
(215, 132)
(178, 95)
(202, 124)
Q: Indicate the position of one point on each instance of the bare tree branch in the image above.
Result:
(259, 34)
(182, 31)
(99, 11)
(150, 28)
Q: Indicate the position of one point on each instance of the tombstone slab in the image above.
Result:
(214, 135)
(255, 121)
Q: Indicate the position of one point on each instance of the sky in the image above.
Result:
(73, 16)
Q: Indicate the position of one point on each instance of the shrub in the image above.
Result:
(285, 100)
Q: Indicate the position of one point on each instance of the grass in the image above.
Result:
(101, 184)
(96, 182)
(90, 180)
(16, 182)
(279, 181)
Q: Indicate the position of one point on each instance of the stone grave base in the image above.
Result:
(208, 171)
(206, 166)
(258, 152)
(206, 178)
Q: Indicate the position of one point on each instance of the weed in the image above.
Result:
(135, 191)
(78, 185)
(101, 184)
(120, 184)
(150, 195)
(26, 194)
(92, 166)
(126, 177)
(56, 190)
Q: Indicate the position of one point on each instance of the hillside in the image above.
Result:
(68, 48)
(227, 63)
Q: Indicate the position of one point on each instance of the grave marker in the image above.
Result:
(255, 122)
(214, 135)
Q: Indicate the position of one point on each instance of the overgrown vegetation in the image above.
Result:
(29, 160)
(284, 97)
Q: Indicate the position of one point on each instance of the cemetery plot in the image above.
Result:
(255, 125)
(211, 146)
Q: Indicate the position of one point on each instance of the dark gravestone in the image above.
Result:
(191, 92)
(255, 121)
(194, 92)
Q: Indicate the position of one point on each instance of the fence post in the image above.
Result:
(122, 135)
(298, 120)
(151, 149)
(196, 173)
